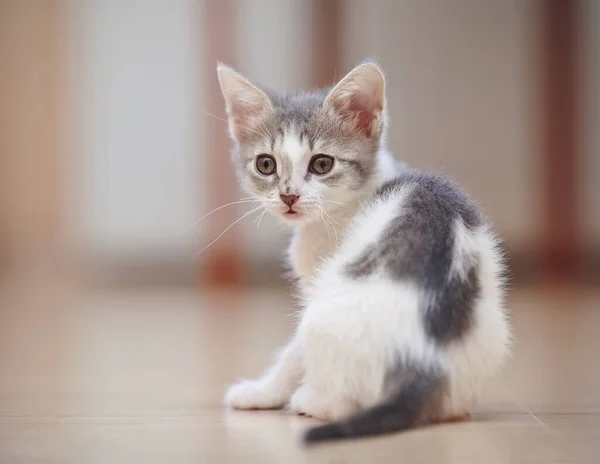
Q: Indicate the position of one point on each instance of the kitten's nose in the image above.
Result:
(289, 199)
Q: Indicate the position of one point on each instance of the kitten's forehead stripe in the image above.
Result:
(292, 148)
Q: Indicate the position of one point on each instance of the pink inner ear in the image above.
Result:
(244, 118)
(242, 111)
(360, 110)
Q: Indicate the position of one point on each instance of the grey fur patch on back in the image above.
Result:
(418, 245)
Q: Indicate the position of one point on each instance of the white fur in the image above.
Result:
(350, 331)
(294, 149)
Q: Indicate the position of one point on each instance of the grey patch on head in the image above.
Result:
(295, 108)
(286, 168)
(333, 179)
(413, 395)
(304, 136)
(311, 142)
(418, 245)
(264, 183)
(362, 169)
(298, 111)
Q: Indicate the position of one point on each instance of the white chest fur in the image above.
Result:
(316, 241)
(309, 246)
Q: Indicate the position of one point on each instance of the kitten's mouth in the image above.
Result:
(290, 211)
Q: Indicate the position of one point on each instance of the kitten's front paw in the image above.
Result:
(252, 394)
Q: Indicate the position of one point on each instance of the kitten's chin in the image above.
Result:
(294, 218)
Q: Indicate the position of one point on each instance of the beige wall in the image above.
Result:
(462, 90)
(590, 106)
(30, 115)
(461, 94)
(137, 127)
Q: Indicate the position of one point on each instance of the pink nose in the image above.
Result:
(289, 199)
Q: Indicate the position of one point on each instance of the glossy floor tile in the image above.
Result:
(137, 376)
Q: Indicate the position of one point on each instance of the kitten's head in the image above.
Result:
(306, 153)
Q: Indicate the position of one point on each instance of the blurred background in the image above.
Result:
(117, 340)
(112, 146)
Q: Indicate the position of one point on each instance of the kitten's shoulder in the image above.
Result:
(433, 192)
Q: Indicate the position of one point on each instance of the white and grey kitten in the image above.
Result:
(403, 319)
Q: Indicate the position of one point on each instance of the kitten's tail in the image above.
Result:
(401, 411)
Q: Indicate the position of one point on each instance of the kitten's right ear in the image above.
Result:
(245, 103)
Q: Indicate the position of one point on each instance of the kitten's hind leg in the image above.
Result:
(275, 388)
(308, 401)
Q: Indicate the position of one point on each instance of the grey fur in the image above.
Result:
(450, 314)
(363, 169)
(418, 245)
(265, 183)
(333, 179)
(304, 114)
(413, 391)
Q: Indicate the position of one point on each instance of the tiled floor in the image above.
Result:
(137, 377)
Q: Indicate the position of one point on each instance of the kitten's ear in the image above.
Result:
(359, 98)
(245, 103)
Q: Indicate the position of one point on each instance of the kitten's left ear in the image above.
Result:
(359, 98)
(245, 103)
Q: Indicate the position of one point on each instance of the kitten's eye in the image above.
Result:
(266, 164)
(320, 164)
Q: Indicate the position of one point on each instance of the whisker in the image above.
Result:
(229, 227)
(329, 221)
(331, 218)
(321, 126)
(317, 135)
(263, 129)
(243, 201)
(333, 226)
(331, 232)
(326, 132)
(260, 218)
(320, 215)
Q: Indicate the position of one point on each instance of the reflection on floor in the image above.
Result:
(137, 376)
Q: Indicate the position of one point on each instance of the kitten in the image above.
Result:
(403, 319)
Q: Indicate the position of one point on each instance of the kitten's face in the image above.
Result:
(306, 154)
